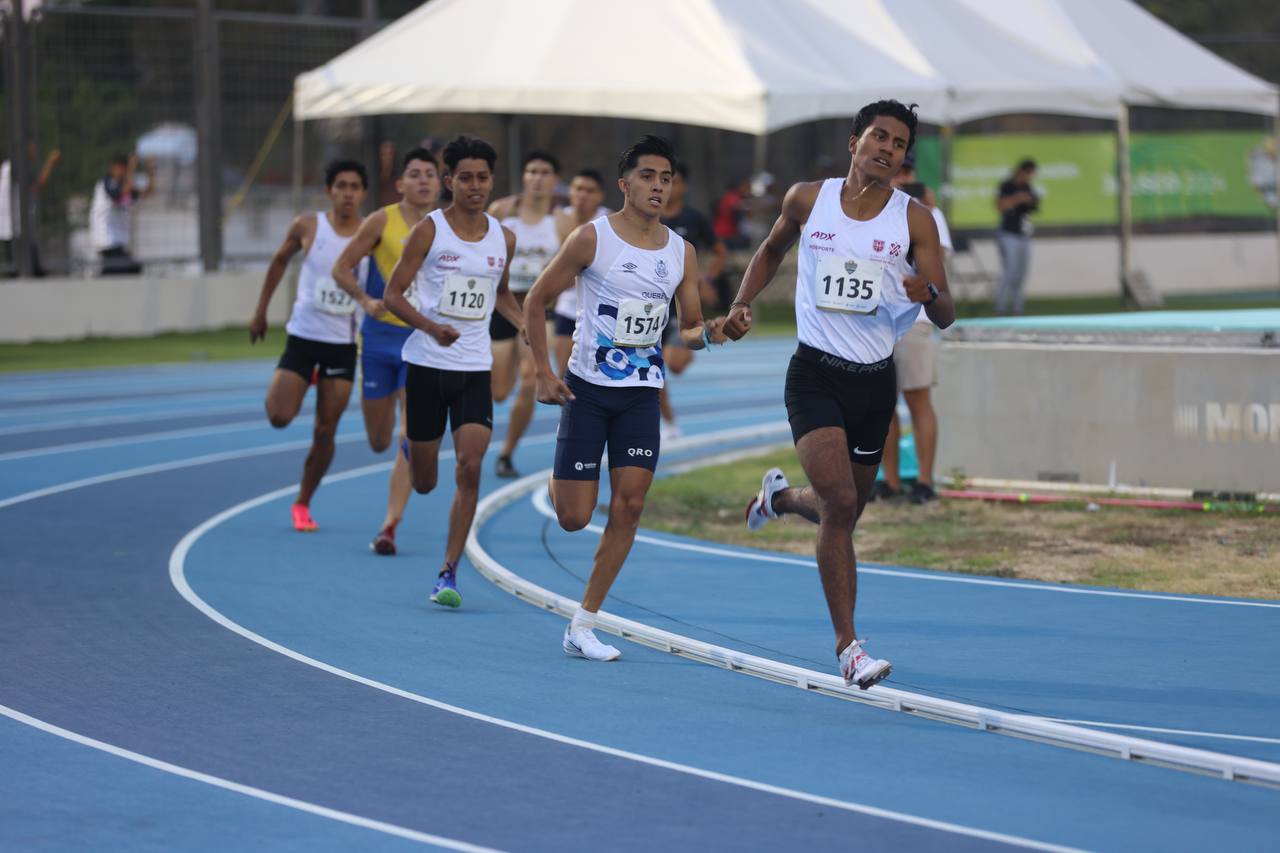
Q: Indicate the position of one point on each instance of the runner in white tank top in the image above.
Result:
(458, 260)
(854, 299)
(321, 327)
(627, 268)
(323, 311)
(529, 216)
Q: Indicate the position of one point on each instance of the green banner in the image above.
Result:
(1174, 176)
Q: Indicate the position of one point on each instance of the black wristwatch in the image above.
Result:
(933, 292)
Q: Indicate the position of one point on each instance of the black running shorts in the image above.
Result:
(304, 356)
(500, 328)
(625, 419)
(434, 397)
(825, 391)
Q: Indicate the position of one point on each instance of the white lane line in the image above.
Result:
(135, 402)
(540, 503)
(177, 464)
(247, 790)
(132, 417)
(1187, 732)
(177, 576)
(137, 438)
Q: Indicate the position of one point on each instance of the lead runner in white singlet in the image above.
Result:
(854, 299)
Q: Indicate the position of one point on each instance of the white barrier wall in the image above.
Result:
(1177, 417)
(54, 309)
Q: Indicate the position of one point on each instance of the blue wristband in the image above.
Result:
(706, 338)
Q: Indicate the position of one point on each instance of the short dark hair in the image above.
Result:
(539, 154)
(891, 108)
(647, 144)
(591, 174)
(1026, 164)
(418, 154)
(118, 160)
(682, 169)
(469, 148)
(337, 167)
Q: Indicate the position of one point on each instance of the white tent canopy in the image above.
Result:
(755, 66)
(746, 65)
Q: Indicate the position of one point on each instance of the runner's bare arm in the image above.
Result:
(796, 207)
(416, 247)
(505, 301)
(691, 322)
(299, 233)
(344, 269)
(926, 248)
(574, 256)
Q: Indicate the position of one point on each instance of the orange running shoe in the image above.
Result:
(302, 520)
(385, 542)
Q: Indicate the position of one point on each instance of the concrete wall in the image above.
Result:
(1189, 417)
(51, 309)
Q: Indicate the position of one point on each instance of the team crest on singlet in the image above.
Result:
(661, 269)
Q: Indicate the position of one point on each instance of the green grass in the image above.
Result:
(222, 345)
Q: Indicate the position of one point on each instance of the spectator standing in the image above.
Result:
(113, 199)
(1016, 201)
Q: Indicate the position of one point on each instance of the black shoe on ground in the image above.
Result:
(505, 469)
(922, 493)
(882, 491)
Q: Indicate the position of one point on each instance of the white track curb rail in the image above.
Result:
(1024, 726)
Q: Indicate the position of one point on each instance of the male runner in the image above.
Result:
(458, 260)
(696, 229)
(382, 335)
(854, 300)
(529, 217)
(586, 200)
(321, 328)
(629, 267)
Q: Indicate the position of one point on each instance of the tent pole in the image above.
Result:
(1124, 204)
(760, 158)
(947, 136)
(1275, 152)
(512, 127)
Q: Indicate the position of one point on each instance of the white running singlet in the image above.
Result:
(457, 286)
(322, 311)
(623, 299)
(536, 245)
(849, 296)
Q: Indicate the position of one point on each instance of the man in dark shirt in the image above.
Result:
(1016, 201)
(693, 226)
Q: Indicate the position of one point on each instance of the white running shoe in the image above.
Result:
(760, 510)
(860, 668)
(668, 431)
(582, 643)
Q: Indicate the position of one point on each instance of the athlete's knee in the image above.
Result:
(378, 442)
(839, 505)
(626, 509)
(424, 478)
(466, 471)
(277, 418)
(324, 433)
(573, 519)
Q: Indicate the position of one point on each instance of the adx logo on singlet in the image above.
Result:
(822, 235)
(450, 259)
